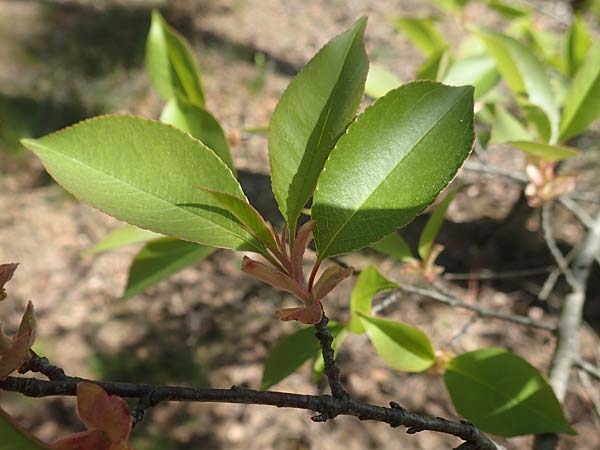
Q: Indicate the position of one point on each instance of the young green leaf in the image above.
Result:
(159, 259)
(433, 225)
(339, 333)
(389, 166)
(507, 127)
(380, 81)
(422, 33)
(523, 73)
(171, 64)
(582, 106)
(503, 394)
(199, 123)
(435, 66)
(577, 43)
(246, 214)
(288, 354)
(478, 71)
(547, 152)
(393, 245)
(14, 437)
(368, 283)
(401, 346)
(120, 237)
(146, 173)
(312, 113)
(509, 10)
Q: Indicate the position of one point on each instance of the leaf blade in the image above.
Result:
(120, 237)
(387, 168)
(402, 346)
(503, 394)
(433, 225)
(14, 437)
(547, 152)
(145, 173)
(312, 113)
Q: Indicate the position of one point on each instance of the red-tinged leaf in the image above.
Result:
(308, 315)
(103, 412)
(329, 280)
(6, 273)
(303, 238)
(274, 278)
(86, 440)
(16, 352)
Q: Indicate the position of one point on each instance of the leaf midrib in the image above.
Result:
(134, 187)
(396, 165)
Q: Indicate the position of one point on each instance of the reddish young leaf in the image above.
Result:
(275, 278)
(308, 315)
(6, 273)
(16, 351)
(303, 238)
(106, 417)
(329, 280)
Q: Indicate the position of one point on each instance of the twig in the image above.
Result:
(489, 275)
(323, 404)
(457, 303)
(586, 382)
(589, 368)
(553, 247)
(331, 370)
(567, 346)
(575, 209)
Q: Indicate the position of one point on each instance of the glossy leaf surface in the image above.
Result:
(582, 106)
(391, 164)
(160, 259)
(170, 63)
(402, 346)
(199, 123)
(503, 394)
(368, 283)
(312, 113)
(146, 173)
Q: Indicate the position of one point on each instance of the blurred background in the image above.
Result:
(210, 325)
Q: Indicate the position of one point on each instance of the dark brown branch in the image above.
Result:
(331, 370)
(323, 404)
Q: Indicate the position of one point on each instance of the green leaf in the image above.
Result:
(582, 106)
(545, 151)
(146, 173)
(312, 113)
(509, 10)
(380, 81)
(523, 73)
(246, 214)
(14, 437)
(503, 394)
(199, 123)
(394, 245)
(478, 71)
(507, 127)
(422, 33)
(170, 63)
(159, 259)
(401, 346)
(578, 41)
(433, 225)
(339, 333)
(434, 66)
(389, 166)
(368, 283)
(122, 236)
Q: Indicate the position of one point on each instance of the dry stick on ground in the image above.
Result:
(455, 302)
(328, 406)
(567, 346)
